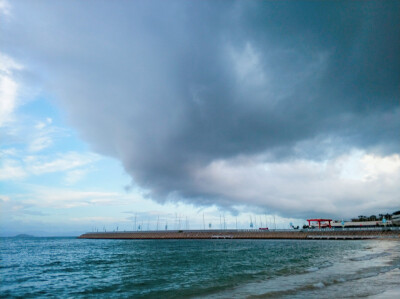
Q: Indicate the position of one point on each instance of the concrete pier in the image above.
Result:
(249, 234)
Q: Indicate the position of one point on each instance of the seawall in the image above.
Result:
(248, 234)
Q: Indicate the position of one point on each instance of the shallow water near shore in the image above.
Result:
(70, 267)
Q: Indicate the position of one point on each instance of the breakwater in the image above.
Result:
(248, 234)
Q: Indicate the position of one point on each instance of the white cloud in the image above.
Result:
(11, 169)
(8, 87)
(375, 166)
(65, 198)
(8, 152)
(64, 161)
(42, 137)
(5, 8)
(4, 198)
(97, 219)
(42, 124)
(75, 175)
(40, 143)
(7, 64)
(8, 94)
(344, 186)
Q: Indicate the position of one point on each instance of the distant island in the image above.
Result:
(24, 236)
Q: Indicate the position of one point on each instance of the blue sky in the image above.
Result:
(53, 184)
(116, 111)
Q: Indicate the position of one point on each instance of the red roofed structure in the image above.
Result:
(319, 222)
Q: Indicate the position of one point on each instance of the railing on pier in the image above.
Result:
(391, 228)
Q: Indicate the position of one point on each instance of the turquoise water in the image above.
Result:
(69, 267)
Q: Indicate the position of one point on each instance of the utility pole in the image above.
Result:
(224, 222)
(135, 223)
(204, 224)
(266, 222)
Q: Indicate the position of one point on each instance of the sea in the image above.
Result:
(78, 268)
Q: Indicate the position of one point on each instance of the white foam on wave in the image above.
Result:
(339, 280)
(312, 269)
(370, 256)
(319, 285)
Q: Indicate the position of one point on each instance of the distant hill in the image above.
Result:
(24, 236)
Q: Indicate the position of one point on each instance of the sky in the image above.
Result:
(120, 114)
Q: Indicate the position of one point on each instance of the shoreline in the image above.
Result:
(248, 234)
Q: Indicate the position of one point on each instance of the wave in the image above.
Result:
(316, 280)
(308, 286)
(319, 285)
(312, 269)
(370, 256)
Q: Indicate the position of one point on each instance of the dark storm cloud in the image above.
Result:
(170, 87)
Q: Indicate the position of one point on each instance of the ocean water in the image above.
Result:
(78, 268)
